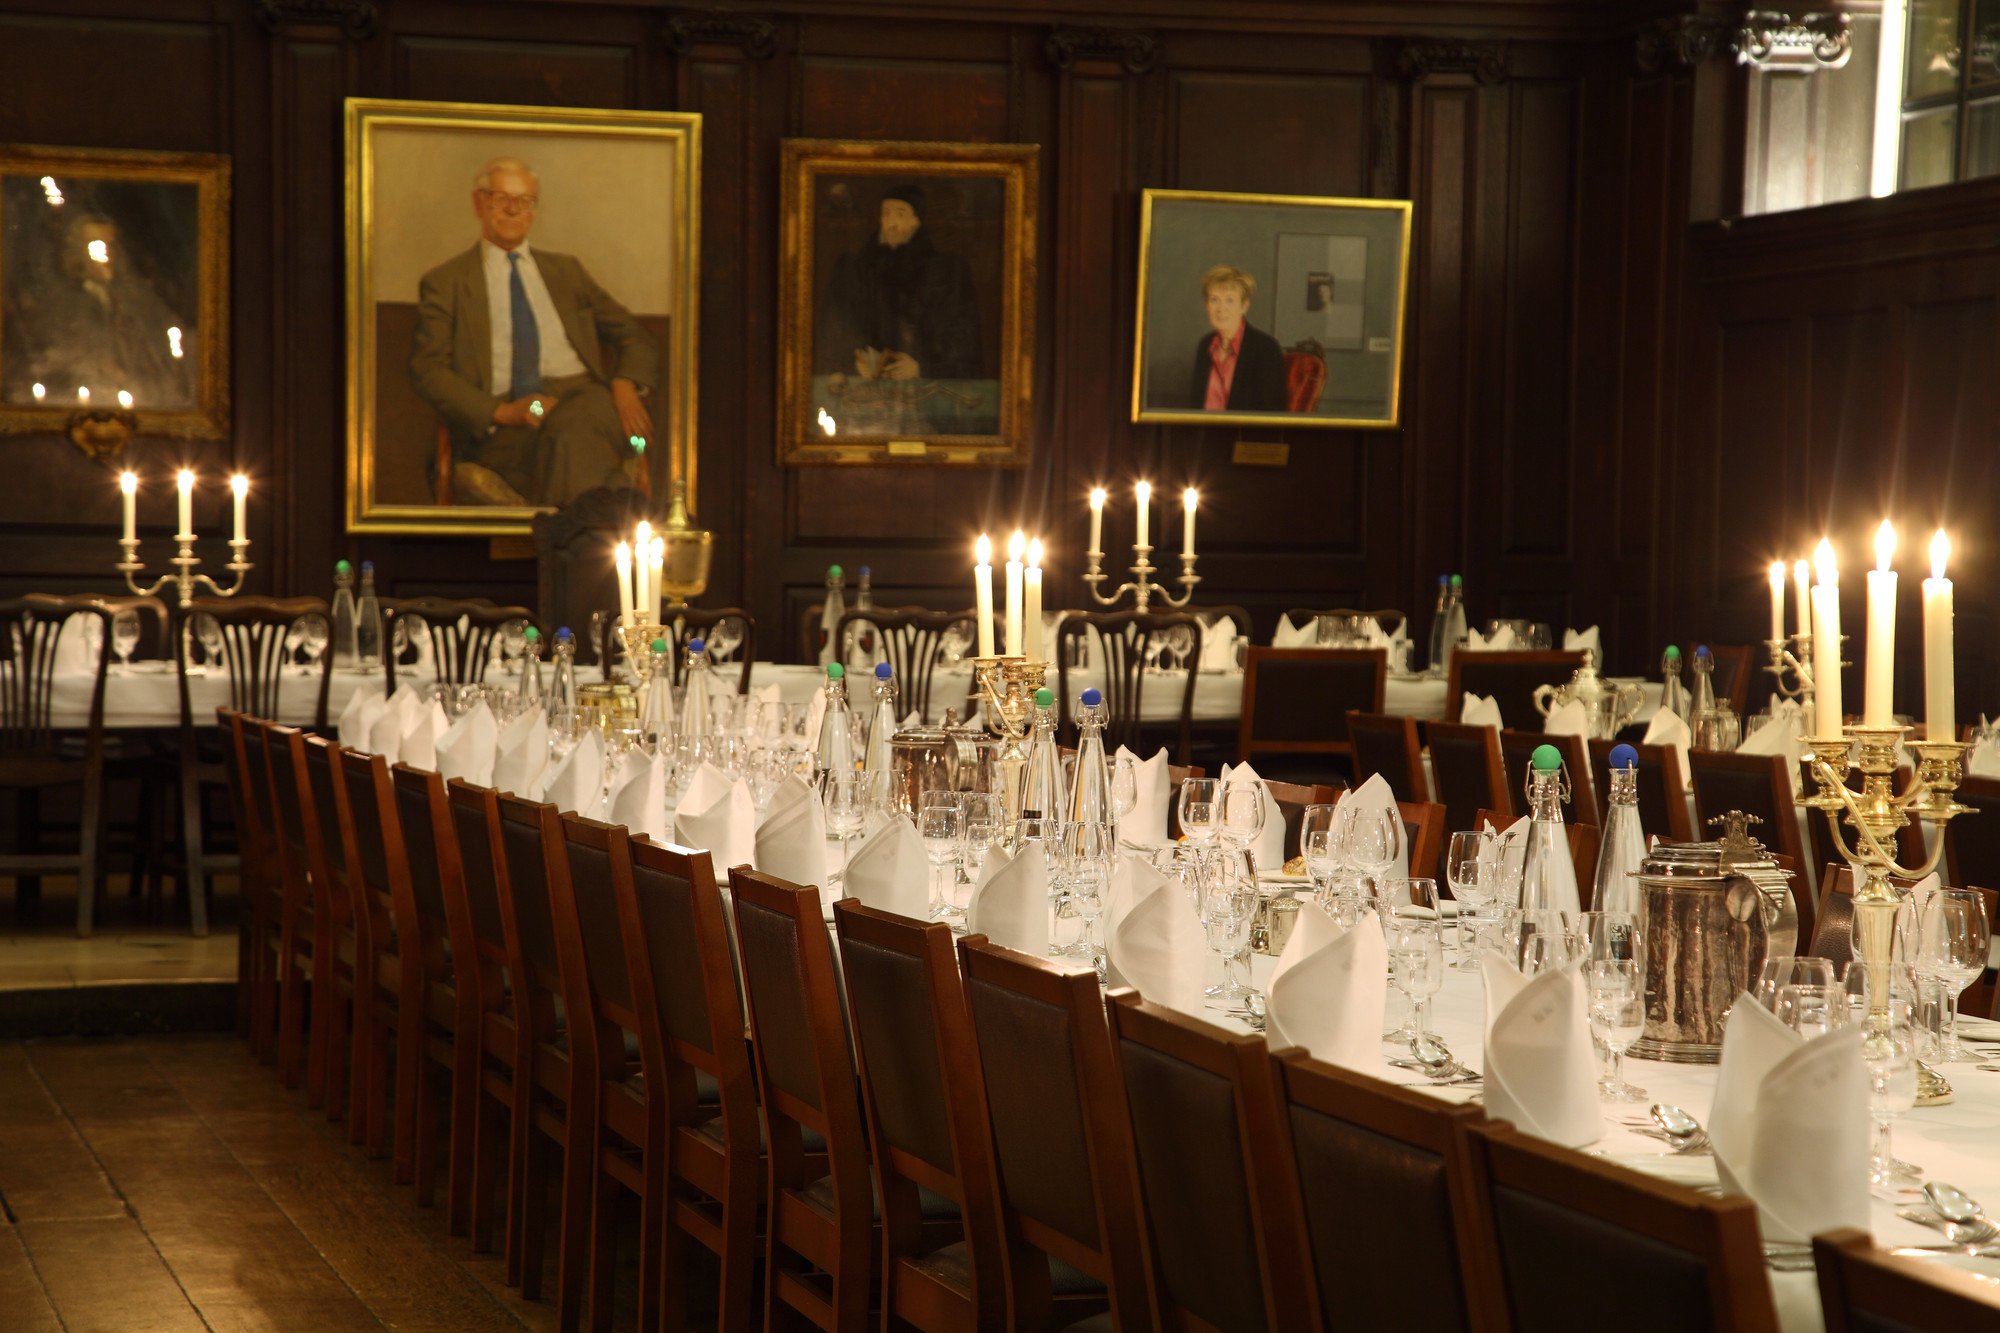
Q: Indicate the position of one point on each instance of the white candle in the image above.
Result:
(656, 562)
(1032, 601)
(1188, 500)
(621, 555)
(1802, 585)
(1940, 702)
(185, 482)
(1878, 685)
(642, 543)
(1097, 520)
(1143, 492)
(128, 482)
(1826, 645)
(982, 592)
(1777, 599)
(239, 487)
(1017, 546)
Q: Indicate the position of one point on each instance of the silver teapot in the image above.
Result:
(1610, 706)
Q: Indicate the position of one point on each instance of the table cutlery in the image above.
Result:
(1436, 1060)
(1962, 1211)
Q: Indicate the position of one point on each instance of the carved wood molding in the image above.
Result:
(756, 34)
(1484, 61)
(356, 19)
(1761, 38)
(1135, 51)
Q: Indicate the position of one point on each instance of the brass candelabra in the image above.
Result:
(1006, 687)
(638, 640)
(1141, 584)
(1792, 658)
(184, 577)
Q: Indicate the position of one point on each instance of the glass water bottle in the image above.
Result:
(531, 695)
(562, 684)
(859, 649)
(882, 725)
(1454, 621)
(1435, 661)
(346, 648)
(1090, 791)
(1673, 697)
(836, 739)
(1042, 793)
(691, 742)
(830, 612)
(656, 718)
(1548, 878)
(1624, 839)
(368, 619)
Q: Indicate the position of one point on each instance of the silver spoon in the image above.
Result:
(1954, 1204)
(1437, 1059)
(1680, 1129)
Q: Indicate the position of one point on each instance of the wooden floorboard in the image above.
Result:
(103, 1276)
(24, 1303)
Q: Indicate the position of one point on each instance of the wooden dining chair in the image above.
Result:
(1517, 750)
(1972, 844)
(1510, 679)
(1866, 1290)
(1423, 834)
(819, 1223)
(1760, 785)
(1218, 1202)
(462, 635)
(1062, 1137)
(1295, 699)
(1735, 668)
(910, 639)
(1663, 790)
(261, 886)
(927, 1124)
(1121, 638)
(1391, 1201)
(690, 1013)
(337, 948)
(1574, 1233)
(384, 968)
(1290, 800)
(1391, 747)
(1470, 776)
(286, 939)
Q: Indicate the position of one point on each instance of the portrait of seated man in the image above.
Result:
(899, 308)
(1237, 366)
(540, 374)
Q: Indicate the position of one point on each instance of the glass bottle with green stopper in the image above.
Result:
(1042, 793)
(656, 719)
(1548, 877)
(346, 649)
(830, 612)
(368, 619)
(1673, 697)
(836, 737)
(531, 695)
(1454, 621)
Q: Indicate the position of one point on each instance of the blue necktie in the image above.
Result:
(527, 338)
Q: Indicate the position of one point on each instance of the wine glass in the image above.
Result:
(1201, 811)
(941, 825)
(1889, 1052)
(1812, 1010)
(1416, 962)
(844, 798)
(1319, 847)
(723, 638)
(1089, 851)
(124, 638)
(1374, 840)
(313, 636)
(1402, 902)
(1180, 642)
(565, 730)
(1782, 970)
(983, 831)
(1466, 870)
(1953, 936)
(1615, 1002)
(1245, 807)
(1124, 786)
(1228, 900)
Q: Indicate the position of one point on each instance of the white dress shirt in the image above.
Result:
(558, 357)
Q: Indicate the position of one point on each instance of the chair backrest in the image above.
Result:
(926, 1105)
(30, 628)
(1972, 845)
(1218, 1201)
(155, 625)
(436, 878)
(1423, 834)
(461, 634)
(474, 815)
(1510, 679)
(377, 873)
(1863, 1289)
(597, 980)
(1291, 800)
(1734, 670)
(1517, 749)
(1062, 1142)
(1578, 1233)
(528, 831)
(1759, 785)
(1391, 747)
(1391, 1204)
(1470, 776)
(281, 751)
(909, 638)
(320, 805)
(1663, 806)
(253, 653)
(690, 622)
(1122, 637)
(1295, 699)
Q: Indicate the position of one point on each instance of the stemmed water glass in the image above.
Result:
(1549, 942)
(1088, 853)
(313, 635)
(1228, 899)
(1953, 936)
(983, 831)
(1319, 847)
(1244, 807)
(1373, 839)
(844, 798)
(941, 825)
(1416, 962)
(1400, 903)
(1614, 975)
(1124, 787)
(1201, 812)
(1889, 1053)
(125, 637)
(1468, 870)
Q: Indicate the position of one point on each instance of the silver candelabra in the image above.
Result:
(184, 576)
(1141, 584)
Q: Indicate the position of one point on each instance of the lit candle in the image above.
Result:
(1188, 499)
(1143, 492)
(982, 592)
(128, 482)
(1878, 684)
(1032, 601)
(1777, 599)
(1802, 585)
(656, 562)
(621, 555)
(1017, 545)
(185, 481)
(125, 399)
(1940, 703)
(239, 487)
(642, 542)
(1097, 520)
(1826, 644)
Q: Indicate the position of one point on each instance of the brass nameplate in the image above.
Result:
(1253, 453)
(906, 449)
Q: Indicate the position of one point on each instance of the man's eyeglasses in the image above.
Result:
(512, 203)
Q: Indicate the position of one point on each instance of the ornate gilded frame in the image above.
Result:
(365, 116)
(1018, 167)
(1361, 208)
(209, 173)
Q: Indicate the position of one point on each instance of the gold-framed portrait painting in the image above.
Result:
(906, 302)
(114, 289)
(521, 302)
(1270, 309)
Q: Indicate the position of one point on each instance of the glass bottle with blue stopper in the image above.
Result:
(1617, 889)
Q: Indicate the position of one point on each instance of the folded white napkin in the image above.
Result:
(79, 643)
(791, 842)
(1146, 821)
(1218, 645)
(358, 718)
(1288, 635)
(1376, 794)
(1480, 710)
(1010, 904)
(1503, 641)
(521, 756)
(1540, 1070)
(1269, 849)
(418, 747)
(1576, 640)
(1133, 880)
(719, 815)
(1666, 728)
(1329, 990)
(1159, 948)
(1783, 734)
(639, 796)
(1790, 1123)
(1570, 719)
(767, 694)
(889, 872)
(467, 750)
(1983, 759)
(395, 722)
(577, 780)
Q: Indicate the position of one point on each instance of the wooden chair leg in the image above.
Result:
(520, 1149)
(339, 1051)
(534, 1214)
(430, 1111)
(321, 1005)
(381, 1094)
(573, 1232)
(489, 1159)
(89, 841)
(410, 1062)
(463, 1110)
(737, 1295)
(603, 1242)
(291, 985)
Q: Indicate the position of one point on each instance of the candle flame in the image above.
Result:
(1144, 491)
(1801, 570)
(125, 399)
(659, 550)
(642, 537)
(826, 423)
(128, 482)
(1940, 552)
(174, 343)
(41, 392)
(1823, 563)
(1016, 544)
(184, 479)
(622, 553)
(1097, 497)
(1035, 553)
(1777, 573)
(982, 550)
(239, 485)
(1885, 546)
(82, 393)
(1189, 497)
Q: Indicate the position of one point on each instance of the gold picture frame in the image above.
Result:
(906, 303)
(616, 196)
(1327, 279)
(114, 290)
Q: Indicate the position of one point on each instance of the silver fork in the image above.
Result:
(1957, 1233)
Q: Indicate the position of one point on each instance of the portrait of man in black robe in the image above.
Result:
(899, 308)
